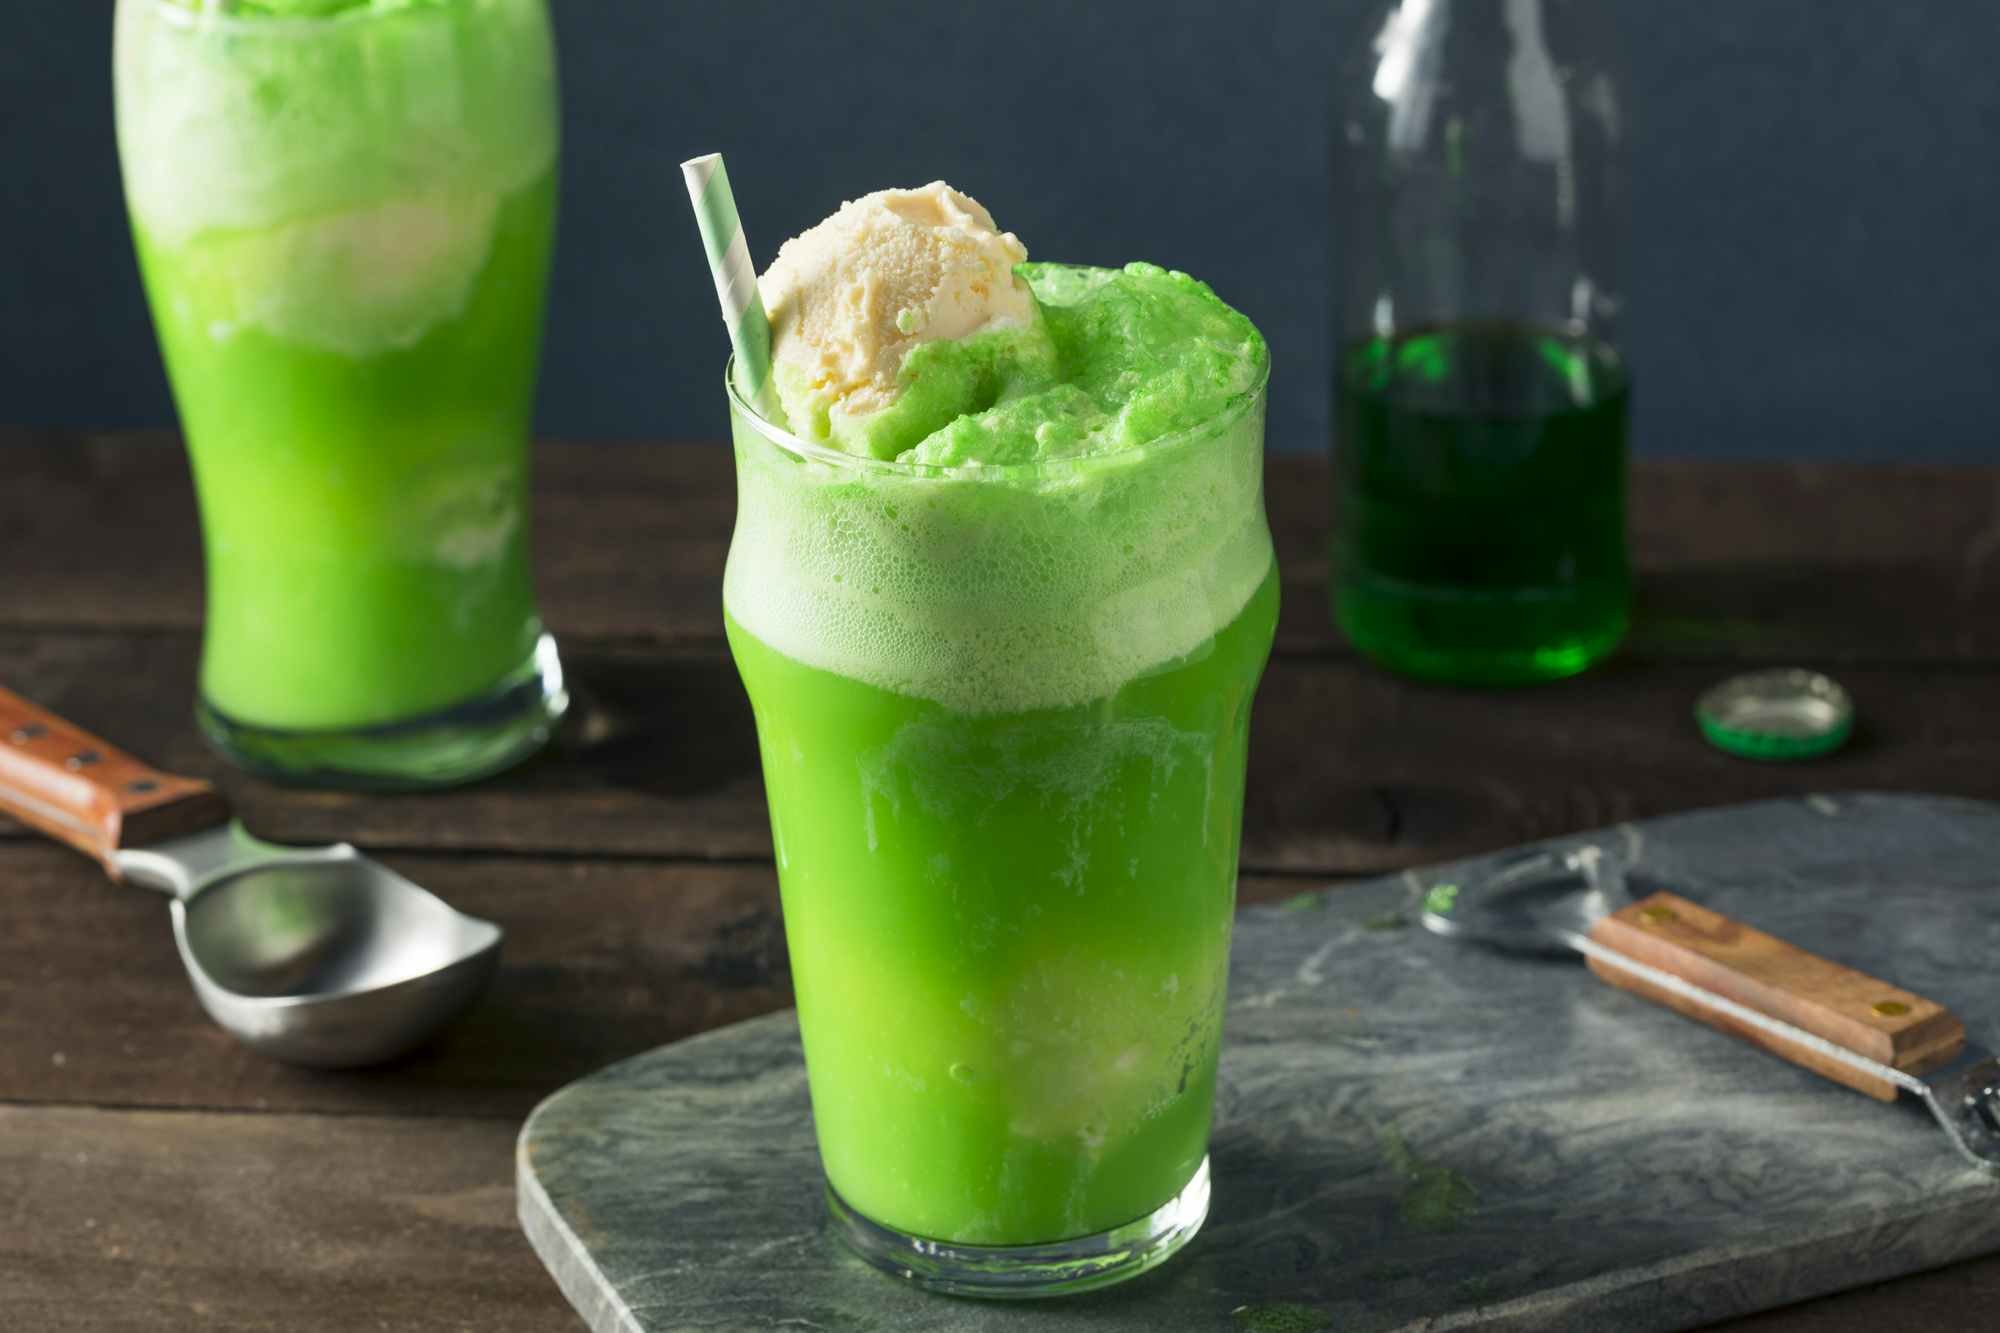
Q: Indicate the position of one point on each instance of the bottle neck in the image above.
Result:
(1478, 171)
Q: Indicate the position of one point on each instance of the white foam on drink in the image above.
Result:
(335, 183)
(993, 593)
(355, 282)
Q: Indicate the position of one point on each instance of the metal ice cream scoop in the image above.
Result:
(313, 955)
(1833, 1020)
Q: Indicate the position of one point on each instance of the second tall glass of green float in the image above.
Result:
(344, 214)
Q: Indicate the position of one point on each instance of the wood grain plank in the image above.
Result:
(1923, 1303)
(1352, 771)
(602, 961)
(97, 530)
(1449, 773)
(101, 531)
(659, 756)
(139, 1219)
(1832, 562)
(133, 1221)
(126, 1220)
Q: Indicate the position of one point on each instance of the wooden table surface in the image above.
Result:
(155, 1175)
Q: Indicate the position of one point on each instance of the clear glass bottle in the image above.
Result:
(1480, 401)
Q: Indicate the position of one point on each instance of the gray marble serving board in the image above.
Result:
(1410, 1134)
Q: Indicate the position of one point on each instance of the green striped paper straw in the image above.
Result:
(735, 280)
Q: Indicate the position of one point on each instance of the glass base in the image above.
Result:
(459, 744)
(1020, 1272)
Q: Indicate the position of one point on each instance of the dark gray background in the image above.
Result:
(1811, 268)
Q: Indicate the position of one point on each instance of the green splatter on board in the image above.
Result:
(1385, 921)
(1281, 1319)
(1380, 1271)
(1435, 1198)
(1441, 898)
(1303, 902)
(1472, 1291)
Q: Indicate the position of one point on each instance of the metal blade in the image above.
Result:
(1964, 1095)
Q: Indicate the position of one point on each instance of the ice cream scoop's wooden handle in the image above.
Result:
(1871, 1018)
(68, 784)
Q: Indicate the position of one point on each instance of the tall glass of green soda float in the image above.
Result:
(1000, 594)
(1480, 403)
(343, 211)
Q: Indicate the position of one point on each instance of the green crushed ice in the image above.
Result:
(1472, 1290)
(1436, 1198)
(1116, 358)
(1286, 1318)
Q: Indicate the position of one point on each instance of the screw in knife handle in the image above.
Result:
(64, 782)
(1760, 972)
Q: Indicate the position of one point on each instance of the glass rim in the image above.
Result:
(1069, 465)
(288, 25)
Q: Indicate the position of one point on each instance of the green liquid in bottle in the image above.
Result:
(1480, 506)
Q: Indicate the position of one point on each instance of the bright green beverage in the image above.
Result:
(1010, 935)
(344, 224)
(1481, 494)
(1003, 714)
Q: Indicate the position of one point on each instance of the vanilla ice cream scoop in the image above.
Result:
(891, 271)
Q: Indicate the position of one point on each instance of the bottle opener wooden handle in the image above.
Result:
(61, 780)
(1871, 1018)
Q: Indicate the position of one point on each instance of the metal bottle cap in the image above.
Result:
(1781, 714)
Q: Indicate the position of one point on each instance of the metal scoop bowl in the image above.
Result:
(315, 956)
(1537, 902)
